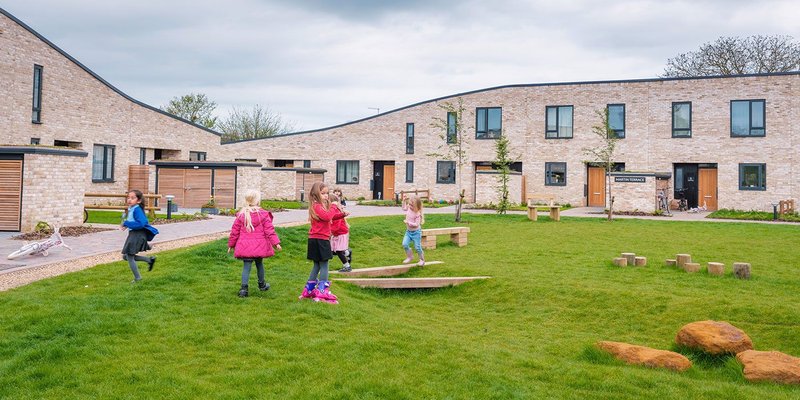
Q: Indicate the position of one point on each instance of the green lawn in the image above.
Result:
(182, 333)
(115, 217)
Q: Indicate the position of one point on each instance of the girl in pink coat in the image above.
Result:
(252, 238)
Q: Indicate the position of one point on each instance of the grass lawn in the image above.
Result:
(182, 333)
(115, 217)
(287, 204)
(751, 215)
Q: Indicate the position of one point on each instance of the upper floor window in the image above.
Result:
(752, 176)
(409, 138)
(283, 163)
(197, 156)
(555, 174)
(616, 119)
(103, 163)
(35, 140)
(409, 171)
(488, 123)
(748, 118)
(142, 156)
(347, 172)
(682, 119)
(306, 163)
(452, 134)
(36, 116)
(559, 122)
(445, 172)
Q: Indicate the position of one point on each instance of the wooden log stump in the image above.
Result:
(716, 268)
(691, 267)
(741, 270)
(640, 261)
(631, 257)
(621, 261)
(683, 259)
(670, 262)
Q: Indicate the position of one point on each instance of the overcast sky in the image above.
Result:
(321, 63)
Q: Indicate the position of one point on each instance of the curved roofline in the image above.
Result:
(642, 80)
(103, 81)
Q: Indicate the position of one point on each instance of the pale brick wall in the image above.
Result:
(634, 196)
(52, 190)
(278, 184)
(487, 185)
(248, 177)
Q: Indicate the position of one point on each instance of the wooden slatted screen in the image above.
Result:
(225, 187)
(170, 182)
(305, 181)
(139, 178)
(197, 187)
(10, 194)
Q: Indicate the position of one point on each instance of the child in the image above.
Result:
(139, 233)
(252, 238)
(320, 214)
(340, 242)
(414, 220)
(338, 193)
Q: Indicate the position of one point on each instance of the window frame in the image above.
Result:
(675, 129)
(453, 168)
(410, 138)
(547, 131)
(761, 176)
(36, 140)
(142, 156)
(306, 163)
(624, 112)
(409, 171)
(547, 173)
(107, 176)
(340, 164)
(486, 136)
(201, 155)
(452, 132)
(750, 129)
(36, 100)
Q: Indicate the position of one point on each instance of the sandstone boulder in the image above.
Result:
(772, 366)
(640, 355)
(714, 337)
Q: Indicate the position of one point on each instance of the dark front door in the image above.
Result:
(686, 183)
(379, 180)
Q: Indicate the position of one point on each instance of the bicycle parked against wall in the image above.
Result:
(683, 204)
(663, 201)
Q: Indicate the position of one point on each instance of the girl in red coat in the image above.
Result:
(340, 241)
(320, 214)
(252, 238)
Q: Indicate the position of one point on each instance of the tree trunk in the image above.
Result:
(458, 206)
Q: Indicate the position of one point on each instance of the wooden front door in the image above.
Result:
(10, 194)
(225, 188)
(388, 182)
(597, 187)
(707, 188)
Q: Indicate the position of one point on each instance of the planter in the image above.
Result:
(212, 211)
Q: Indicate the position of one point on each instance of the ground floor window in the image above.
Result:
(445, 172)
(752, 176)
(103, 163)
(555, 174)
(346, 172)
(197, 156)
(409, 171)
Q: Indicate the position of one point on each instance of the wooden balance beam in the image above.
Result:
(410, 283)
(384, 271)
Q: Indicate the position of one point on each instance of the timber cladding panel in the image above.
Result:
(10, 194)
(193, 187)
(304, 181)
(225, 187)
(139, 178)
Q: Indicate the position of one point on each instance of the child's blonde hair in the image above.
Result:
(416, 203)
(252, 199)
(315, 196)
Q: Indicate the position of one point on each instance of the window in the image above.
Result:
(752, 176)
(616, 119)
(409, 138)
(142, 156)
(682, 120)
(306, 163)
(283, 163)
(748, 117)
(36, 116)
(445, 172)
(555, 174)
(488, 123)
(35, 140)
(409, 171)
(347, 172)
(197, 156)
(103, 163)
(158, 154)
(452, 131)
(67, 143)
(559, 122)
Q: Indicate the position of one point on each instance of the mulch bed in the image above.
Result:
(65, 231)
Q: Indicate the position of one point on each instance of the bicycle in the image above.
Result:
(42, 247)
(663, 202)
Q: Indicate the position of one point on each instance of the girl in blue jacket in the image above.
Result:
(139, 233)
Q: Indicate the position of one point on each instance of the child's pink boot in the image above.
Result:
(309, 291)
(325, 293)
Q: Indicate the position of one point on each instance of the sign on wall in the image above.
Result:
(634, 179)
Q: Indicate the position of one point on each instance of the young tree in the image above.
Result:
(451, 130)
(604, 153)
(256, 123)
(737, 55)
(196, 108)
(503, 163)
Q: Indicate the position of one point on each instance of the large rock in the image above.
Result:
(772, 366)
(714, 337)
(640, 355)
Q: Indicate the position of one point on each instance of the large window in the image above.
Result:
(682, 120)
(748, 118)
(452, 133)
(197, 156)
(409, 138)
(103, 163)
(409, 171)
(488, 123)
(445, 172)
(36, 116)
(559, 122)
(616, 119)
(752, 176)
(555, 174)
(347, 172)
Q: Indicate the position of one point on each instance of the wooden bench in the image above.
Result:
(534, 204)
(421, 193)
(458, 235)
(149, 197)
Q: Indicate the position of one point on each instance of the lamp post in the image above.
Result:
(774, 211)
(169, 205)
